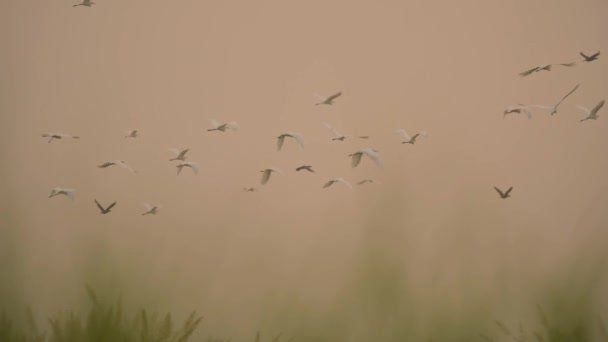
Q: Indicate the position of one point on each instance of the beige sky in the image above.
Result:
(447, 67)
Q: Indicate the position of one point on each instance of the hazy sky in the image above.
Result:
(166, 68)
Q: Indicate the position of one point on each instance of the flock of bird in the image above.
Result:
(180, 156)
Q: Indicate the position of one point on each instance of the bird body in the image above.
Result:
(502, 194)
(297, 136)
(151, 209)
(305, 167)
(180, 154)
(592, 114)
(131, 134)
(410, 139)
(337, 180)
(106, 209)
(120, 163)
(69, 193)
(232, 125)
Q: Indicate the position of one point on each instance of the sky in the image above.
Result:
(449, 68)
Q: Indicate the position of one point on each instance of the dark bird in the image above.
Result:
(305, 167)
(58, 136)
(546, 67)
(505, 194)
(104, 210)
(590, 58)
(328, 100)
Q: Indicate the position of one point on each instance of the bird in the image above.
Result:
(192, 165)
(266, 174)
(297, 136)
(337, 135)
(180, 154)
(69, 193)
(250, 189)
(327, 100)
(591, 114)
(131, 134)
(232, 125)
(87, 3)
(365, 181)
(337, 180)
(520, 108)
(305, 167)
(150, 209)
(369, 152)
(105, 210)
(505, 194)
(120, 163)
(364, 137)
(410, 139)
(58, 136)
(590, 58)
(546, 67)
(553, 108)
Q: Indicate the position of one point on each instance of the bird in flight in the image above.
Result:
(590, 58)
(150, 209)
(520, 108)
(365, 181)
(87, 3)
(337, 180)
(131, 134)
(369, 152)
(180, 154)
(120, 163)
(58, 136)
(591, 114)
(232, 125)
(250, 189)
(105, 210)
(69, 193)
(337, 135)
(410, 139)
(553, 108)
(546, 67)
(505, 194)
(327, 100)
(192, 165)
(266, 174)
(281, 139)
(305, 167)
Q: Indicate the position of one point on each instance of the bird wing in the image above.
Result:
(280, 141)
(571, 64)
(597, 108)
(584, 109)
(528, 72)
(125, 165)
(356, 159)
(194, 168)
(508, 191)
(545, 107)
(106, 164)
(333, 130)
(584, 56)
(182, 154)
(298, 138)
(266, 176)
(404, 134)
(499, 191)
(570, 93)
(214, 123)
(373, 156)
(110, 206)
(334, 96)
(595, 55)
(99, 206)
(329, 183)
(147, 206)
(341, 180)
(320, 97)
(69, 193)
(233, 125)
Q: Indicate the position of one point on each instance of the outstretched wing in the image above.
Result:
(99, 206)
(182, 154)
(404, 134)
(341, 180)
(373, 156)
(298, 138)
(597, 108)
(111, 206)
(499, 192)
(334, 96)
(214, 123)
(355, 159)
(508, 191)
(528, 72)
(328, 184)
(570, 93)
(265, 176)
(194, 168)
(280, 141)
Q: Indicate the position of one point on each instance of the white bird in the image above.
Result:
(337, 135)
(591, 114)
(546, 67)
(266, 174)
(553, 109)
(131, 134)
(297, 136)
(58, 136)
(327, 100)
(232, 125)
(87, 3)
(337, 180)
(180, 154)
(520, 108)
(369, 152)
(69, 193)
(151, 209)
(192, 165)
(410, 139)
(120, 163)
(368, 181)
